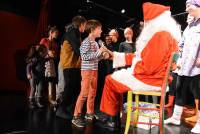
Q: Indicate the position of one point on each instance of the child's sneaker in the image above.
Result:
(89, 117)
(172, 120)
(78, 122)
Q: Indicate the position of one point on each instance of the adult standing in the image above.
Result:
(70, 64)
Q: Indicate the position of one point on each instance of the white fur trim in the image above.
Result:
(118, 59)
(125, 77)
(135, 60)
(163, 22)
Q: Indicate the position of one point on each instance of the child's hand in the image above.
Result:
(198, 62)
(103, 49)
(178, 66)
(29, 76)
(111, 55)
(51, 53)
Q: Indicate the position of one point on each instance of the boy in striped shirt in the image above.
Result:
(90, 55)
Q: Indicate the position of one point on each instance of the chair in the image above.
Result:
(159, 107)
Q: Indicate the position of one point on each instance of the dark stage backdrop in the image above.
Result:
(16, 32)
(20, 19)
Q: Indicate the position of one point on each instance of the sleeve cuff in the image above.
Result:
(118, 59)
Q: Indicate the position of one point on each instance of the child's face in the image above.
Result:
(193, 10)
(54, 34)
(128, 34)
(97, 32)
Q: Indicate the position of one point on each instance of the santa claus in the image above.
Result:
(154, 46)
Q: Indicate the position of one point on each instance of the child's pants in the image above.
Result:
(88, 92)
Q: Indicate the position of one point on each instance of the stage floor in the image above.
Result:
(17, 118)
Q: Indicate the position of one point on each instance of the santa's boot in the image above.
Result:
(196, 128)
(176, 117)
(170, 101)
(194, 118)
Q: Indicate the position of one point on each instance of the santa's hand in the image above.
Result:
(110, 54)
(106, 55)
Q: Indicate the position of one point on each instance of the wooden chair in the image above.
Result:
(159, 107)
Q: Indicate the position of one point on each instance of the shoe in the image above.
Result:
(109, 125)
(196, 129)
(173, 121)
(62, 113)
(101, 117)
(78, 122)
(89, 117)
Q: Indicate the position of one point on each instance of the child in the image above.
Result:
(128, 46)
(189, 72)
(52, 63)
(90, 55)
(35, 73)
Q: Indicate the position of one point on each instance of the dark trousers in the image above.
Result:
(37, 86)
(72, 88)
(188, 88)
(172, 86)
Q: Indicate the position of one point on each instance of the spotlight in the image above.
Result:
(123, 11)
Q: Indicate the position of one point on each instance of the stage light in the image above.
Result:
(123, 11)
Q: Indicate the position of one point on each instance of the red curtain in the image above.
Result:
(43, 21)
(16, 32)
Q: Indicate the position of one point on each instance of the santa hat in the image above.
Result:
(151, 10)
(193, 2)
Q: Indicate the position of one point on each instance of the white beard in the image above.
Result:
(163, 22)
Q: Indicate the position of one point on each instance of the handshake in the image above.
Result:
(106, 54)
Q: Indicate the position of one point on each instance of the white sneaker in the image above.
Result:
(173, 121)
(196, 129)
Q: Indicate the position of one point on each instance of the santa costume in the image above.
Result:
(154, 46)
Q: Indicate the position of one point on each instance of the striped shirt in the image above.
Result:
(90, 55)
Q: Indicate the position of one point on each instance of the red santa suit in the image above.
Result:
(154, 46)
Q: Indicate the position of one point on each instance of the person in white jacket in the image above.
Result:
(189, 72)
